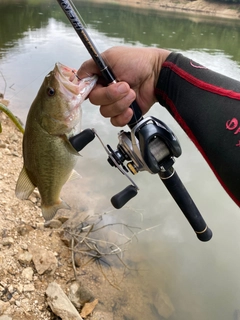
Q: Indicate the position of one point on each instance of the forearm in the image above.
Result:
(207, 106)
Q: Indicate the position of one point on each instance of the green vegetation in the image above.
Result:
(12, 117)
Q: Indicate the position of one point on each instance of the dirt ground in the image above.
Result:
(23, 286)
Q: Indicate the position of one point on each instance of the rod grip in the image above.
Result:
(137, 114)
(186, 204)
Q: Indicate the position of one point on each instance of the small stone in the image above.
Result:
(79, 295)
(53, 224)
(66, 241)
(28, 288)
(15, 295)
(18, 303)
(27, 273)
(8, 241)
(7, 151)
(12, 270)
(63, 218)
(40, 226)
(3, 306)
(44, 260)
(88, 308)
(25, 258)
(24, 229)
(10, 289)
(3, 284)
(24, 246)
(25, 302)
(19, 288)
(60, 304)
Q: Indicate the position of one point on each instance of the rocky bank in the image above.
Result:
(58, 271)
(200, 7)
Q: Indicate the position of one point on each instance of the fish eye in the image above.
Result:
(50, 91)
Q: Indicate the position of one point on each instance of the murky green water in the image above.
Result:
(201, 279)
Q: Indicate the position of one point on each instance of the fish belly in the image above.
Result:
(48, 163)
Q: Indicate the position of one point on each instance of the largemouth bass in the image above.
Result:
(54, 117)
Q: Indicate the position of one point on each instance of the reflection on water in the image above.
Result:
(200, 279)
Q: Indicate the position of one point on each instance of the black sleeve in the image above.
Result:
(207, 106)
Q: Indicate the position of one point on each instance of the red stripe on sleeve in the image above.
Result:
(201, 84)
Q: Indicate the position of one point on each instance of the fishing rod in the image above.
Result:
(149, 146)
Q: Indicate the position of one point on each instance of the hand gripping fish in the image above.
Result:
(54, 117)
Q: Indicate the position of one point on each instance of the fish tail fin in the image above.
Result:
(24, 186)
(50, 211)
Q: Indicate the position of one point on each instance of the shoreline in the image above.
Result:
(201, 7)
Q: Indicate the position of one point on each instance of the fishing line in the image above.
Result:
(78, 13)
(34, 79)
(5, 83)
(85, 26)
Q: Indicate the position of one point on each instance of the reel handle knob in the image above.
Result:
(82, 139)
(121, 198)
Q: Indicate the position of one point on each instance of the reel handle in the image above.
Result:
(121, 198)
(186, 204)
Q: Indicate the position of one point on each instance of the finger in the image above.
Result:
(88, 68)
(122, 119)
(111, 94)
(117, 108)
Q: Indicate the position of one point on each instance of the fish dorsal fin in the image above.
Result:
(24, 185)
(49, 212)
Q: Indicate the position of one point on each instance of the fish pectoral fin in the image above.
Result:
(24, 186)
(74, 175)
(50, 211)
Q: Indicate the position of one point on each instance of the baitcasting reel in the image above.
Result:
(150, 146)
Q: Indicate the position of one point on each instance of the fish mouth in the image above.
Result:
(69, 79)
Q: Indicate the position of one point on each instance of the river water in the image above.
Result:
(200, 279)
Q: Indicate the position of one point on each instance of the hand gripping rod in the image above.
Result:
(105, 70)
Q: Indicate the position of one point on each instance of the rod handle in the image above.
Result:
(186, 204)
